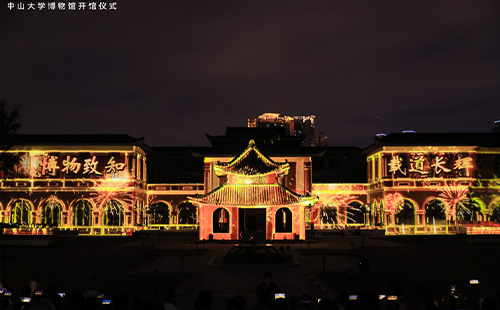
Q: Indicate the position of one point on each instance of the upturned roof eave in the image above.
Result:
(301, 199)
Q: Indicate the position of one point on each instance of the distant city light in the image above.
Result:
(409, 131)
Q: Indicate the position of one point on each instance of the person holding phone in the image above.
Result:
(267, 285)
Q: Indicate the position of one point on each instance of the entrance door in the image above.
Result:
(252, 224)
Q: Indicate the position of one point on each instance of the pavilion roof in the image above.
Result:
(251, 163)
(253, 195)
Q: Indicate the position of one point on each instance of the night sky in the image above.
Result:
(171, 71)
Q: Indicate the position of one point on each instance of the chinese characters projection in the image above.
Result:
(78, 165)
(422, 165)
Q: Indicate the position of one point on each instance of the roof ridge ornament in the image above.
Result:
(251, 143)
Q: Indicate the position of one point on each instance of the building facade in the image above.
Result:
(115, 184)
(252, 198)
(297, 125)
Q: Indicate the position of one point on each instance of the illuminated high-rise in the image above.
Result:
(295, 126)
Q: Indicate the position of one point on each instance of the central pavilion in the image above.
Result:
(253, 202)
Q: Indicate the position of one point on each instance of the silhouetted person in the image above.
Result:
(488, 303)
(204, 300)
(44, 304)
(34, 285)
(352, 305)
(295, 303)
(326, 304)
(120, 301)
(267, 285)
(137, 304)
(342, 300)
(18, 304)
(54, 297)
(170, 299)
(153, 306)
(306, 301)
(5, 301)
(236, 303)
(280, 304)
(75, 301)
(92, 303)
(264, 299)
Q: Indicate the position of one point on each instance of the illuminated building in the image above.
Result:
(434, 183)
(271, 137)
(408, 183)
(497, 126)
(320, 138)
(273, 120)
(96, 183)
(294, 126)
(253, 197)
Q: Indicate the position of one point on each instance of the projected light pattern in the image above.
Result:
(394, 202)
(107, 189)
(252, 183)
(453, 194)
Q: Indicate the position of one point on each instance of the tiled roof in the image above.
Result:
(253, 195)
(250, 162)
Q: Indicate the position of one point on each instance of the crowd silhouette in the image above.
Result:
(268, 295)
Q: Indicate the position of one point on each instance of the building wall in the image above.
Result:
(48, 183)
(416, 176)
(454, 179)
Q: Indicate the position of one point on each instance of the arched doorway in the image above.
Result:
(160, 213)
(221, 221)
(20, 212)
(51, 214)
(113, 213)
(435, 212)
(82, 213)
(283, 222)
(405, 213)
(328, 215)
(252, 223)
(355, 213)
(187, 213)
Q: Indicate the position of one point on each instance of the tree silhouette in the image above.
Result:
(9, 125)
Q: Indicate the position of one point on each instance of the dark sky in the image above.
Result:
(171, 71)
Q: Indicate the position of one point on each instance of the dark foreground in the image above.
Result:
(397, 266)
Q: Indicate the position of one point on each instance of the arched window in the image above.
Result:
(435, 212)
(82, 213)
(465, 211)
(160, 213)
(221, 221)
(283, 220)
(113, 213)
(329, 215)
(355, 213)
(20, 213)
(51, 214)
(187, 213)
(405, 213)
(495, 212)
